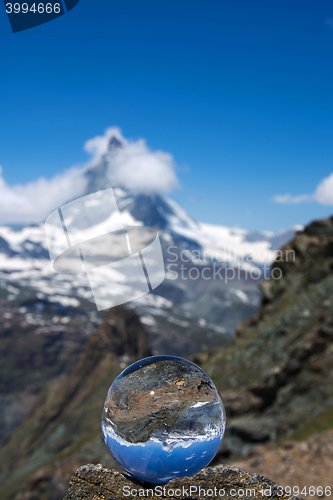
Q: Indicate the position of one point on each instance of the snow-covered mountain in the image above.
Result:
(212, 271)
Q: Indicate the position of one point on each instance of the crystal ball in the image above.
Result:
(163, 418)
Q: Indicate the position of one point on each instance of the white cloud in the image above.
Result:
(133, 165)
(34, 201)
(322, 195)
(288, 198)
(324, 192)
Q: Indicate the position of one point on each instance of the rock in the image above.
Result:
(277, 375)
(320, 227)
(96, 482)
(123, 334)
(241, 402)
(249, 432)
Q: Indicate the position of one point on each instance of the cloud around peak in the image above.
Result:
(130, 163)
(98, 146)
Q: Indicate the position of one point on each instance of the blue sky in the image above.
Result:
(239, 92)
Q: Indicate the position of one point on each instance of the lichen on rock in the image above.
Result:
(96, 482)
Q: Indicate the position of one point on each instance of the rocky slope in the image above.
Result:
(277, 377)
(40, 341)
(304, 466)
(62, 429)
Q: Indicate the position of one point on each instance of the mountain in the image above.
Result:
(47, 317)
(187, 312)
(275, 381)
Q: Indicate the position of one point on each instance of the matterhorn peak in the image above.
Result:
(114, 144)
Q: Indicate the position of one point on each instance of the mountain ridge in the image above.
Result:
(277, 375)
(208, 307)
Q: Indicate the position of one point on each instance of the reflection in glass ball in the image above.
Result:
(163, 418)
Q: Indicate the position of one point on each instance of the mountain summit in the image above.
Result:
(208, 288)
(153, 210)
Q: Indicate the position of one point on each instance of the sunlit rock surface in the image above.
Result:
(95, 482)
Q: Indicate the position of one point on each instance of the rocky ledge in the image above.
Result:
(95, 482)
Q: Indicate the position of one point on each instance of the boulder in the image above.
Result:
(96, 482)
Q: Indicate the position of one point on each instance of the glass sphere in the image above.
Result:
(163, 418)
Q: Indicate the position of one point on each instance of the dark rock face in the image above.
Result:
(278, 375)
(114, 144)
(124, 335)
(95, 482)
(63, 427)
(40, 341)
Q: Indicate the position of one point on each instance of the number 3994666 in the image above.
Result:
(36, 8)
